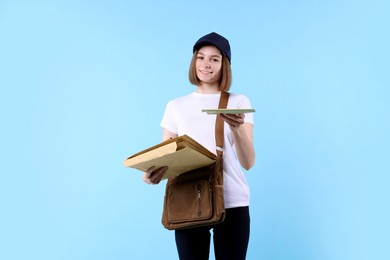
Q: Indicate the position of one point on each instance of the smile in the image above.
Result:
(205, 72)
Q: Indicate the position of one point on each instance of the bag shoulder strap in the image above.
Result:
(219, 123)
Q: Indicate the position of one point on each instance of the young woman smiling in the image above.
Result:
(210, 72)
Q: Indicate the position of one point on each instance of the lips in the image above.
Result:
(205, 72)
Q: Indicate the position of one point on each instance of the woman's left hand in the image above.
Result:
(233, 120)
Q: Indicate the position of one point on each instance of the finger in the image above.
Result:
(151, 169)
(241, 116)
(147, 175)
(146, 178)
(158, 174)
(233, 119)
(156, 178)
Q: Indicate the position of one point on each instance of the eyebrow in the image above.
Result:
(216, 55)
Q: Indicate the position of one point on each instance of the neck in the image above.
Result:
(205, 89)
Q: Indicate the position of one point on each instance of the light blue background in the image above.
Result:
(84, 84)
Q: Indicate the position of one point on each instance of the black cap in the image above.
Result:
(216, 40)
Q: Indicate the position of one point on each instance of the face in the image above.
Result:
(208, 65)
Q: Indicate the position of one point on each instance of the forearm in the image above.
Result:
(243, 143)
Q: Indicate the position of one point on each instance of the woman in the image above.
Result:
(210, 72)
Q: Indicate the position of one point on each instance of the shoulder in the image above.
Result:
(179, 101)
(182, 98)
(240, 100)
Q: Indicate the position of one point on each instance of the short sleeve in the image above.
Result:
(168, 121)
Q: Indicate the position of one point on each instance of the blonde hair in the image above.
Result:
(225, 80)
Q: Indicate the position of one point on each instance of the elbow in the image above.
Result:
(248, 165)
(247, 160)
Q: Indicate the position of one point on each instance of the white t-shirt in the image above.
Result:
(184, 115)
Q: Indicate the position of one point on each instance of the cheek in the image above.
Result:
(198, 63)
(218, 67)
(219, 70)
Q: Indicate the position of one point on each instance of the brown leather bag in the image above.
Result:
(196, 198)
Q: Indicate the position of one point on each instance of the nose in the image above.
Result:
(206, 64)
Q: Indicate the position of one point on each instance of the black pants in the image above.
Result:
(230, 238)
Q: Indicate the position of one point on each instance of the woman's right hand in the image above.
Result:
(154, 175)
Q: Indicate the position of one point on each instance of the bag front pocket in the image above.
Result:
(194, 202)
